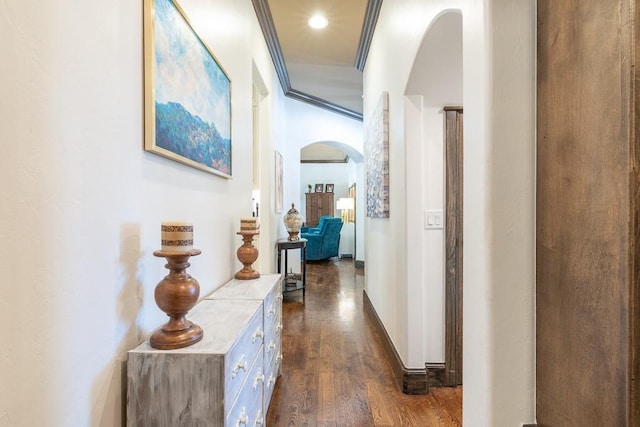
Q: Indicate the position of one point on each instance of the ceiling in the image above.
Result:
(320, 67)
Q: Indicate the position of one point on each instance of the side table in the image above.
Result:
(290, 281)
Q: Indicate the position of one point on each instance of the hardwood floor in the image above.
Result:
(334, 368)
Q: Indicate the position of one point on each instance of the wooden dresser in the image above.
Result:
(227, 378)
(317, 205)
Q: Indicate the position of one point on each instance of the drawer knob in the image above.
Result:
(271, 382)
(279, 327)
(272, 346)
(271, 311)
(259, 419)
(258, 334)
(240, 365)
(259, 379)
(242, 419)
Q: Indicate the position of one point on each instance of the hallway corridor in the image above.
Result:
(334, 369)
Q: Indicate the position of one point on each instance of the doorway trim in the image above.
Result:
(453, 245)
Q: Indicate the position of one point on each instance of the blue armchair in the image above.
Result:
(323, 240)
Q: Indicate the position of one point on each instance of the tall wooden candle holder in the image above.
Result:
(176, 294)
(247, 254)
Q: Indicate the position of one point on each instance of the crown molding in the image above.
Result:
(265, 19)
(366, 34)
(322, 103)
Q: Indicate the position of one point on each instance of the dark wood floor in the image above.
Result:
(334, 369)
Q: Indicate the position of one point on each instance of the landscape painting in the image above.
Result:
(187, 93)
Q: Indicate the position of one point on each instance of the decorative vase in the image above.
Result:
(293, 221)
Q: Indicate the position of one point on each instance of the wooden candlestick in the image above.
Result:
(247, 254)
(176, 294)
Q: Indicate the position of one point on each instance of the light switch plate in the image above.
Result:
(433, 220)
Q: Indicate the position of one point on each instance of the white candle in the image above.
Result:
(177, 236)
(249, 223)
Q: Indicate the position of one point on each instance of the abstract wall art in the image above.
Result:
(376, 153)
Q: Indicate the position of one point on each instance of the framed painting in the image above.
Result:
(187, 92)
(279, 184)
(376, 153)
(328, 188)
(319, 188)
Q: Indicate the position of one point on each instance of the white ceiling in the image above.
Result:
(321, 67)
(322, 62)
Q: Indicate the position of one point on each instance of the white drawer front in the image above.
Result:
(271, 373)
(247, 410)
(238, 360)
(273, 309)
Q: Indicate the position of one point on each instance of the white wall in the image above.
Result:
(338, 174)
(83, 202)
(499, 152)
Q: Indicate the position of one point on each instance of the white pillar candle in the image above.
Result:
(177, 236)
(249, 223)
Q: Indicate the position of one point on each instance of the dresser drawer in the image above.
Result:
(273, 311)
(271, 373)
(238, 360)
(247, 410)
(272, 348)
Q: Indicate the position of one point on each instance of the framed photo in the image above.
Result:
(328, 188)
(187, 92)
(319, 188)
(279, 190)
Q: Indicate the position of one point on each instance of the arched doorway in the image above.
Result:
(435, 83)
(341, 167)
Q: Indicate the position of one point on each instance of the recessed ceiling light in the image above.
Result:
(318, 22)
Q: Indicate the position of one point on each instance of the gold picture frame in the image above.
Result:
(187, 93)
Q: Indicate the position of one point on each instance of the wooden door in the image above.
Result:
(587, 214)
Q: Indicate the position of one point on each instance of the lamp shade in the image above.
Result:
(344, 203)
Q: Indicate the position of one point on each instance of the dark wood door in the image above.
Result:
(587, 214)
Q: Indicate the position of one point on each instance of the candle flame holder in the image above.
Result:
(176, 294)
(247, 254)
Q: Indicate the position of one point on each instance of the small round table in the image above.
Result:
(291, 282)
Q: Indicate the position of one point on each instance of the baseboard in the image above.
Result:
(410, 381)
(359, 264)
(435, 375)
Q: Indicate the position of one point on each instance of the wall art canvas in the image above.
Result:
(376, 153)
(187, 93)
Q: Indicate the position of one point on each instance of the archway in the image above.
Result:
(341, 166)
(435, 82)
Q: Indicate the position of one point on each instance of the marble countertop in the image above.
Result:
(245, 289)
(222, 321)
